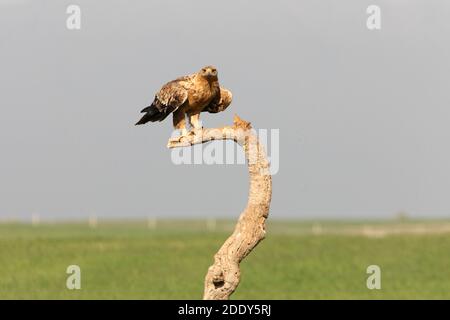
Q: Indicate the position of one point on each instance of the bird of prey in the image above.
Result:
(189, 95)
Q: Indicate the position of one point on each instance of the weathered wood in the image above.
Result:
(223, 276)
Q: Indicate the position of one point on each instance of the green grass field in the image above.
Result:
(297, 260)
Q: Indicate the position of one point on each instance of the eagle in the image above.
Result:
(189, 95)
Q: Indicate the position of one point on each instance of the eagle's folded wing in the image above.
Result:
(221, 104)
(171, 96)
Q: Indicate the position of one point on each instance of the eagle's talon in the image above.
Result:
(177, 139)
(196, 131)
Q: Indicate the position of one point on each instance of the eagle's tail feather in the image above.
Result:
(146, 109)
(143, 120)
(152, 113)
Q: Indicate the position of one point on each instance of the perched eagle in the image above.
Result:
(188, 95)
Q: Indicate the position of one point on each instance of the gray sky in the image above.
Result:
(363, 115)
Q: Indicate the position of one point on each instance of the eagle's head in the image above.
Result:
(209, 72)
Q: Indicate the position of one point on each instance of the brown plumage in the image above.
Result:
(188, 95)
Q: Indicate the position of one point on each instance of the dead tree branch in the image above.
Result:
(223, 276)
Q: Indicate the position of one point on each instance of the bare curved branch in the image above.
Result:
(223, 276)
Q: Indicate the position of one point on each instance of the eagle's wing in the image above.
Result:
(171, 96)
(221, 102)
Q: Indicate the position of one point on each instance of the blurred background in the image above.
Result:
(363, 114)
